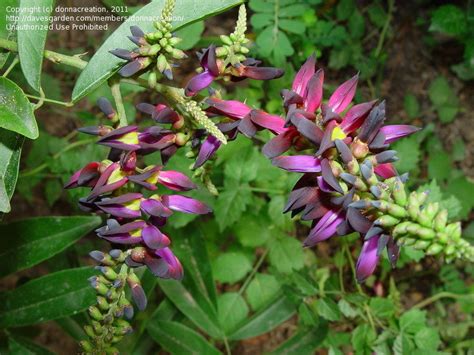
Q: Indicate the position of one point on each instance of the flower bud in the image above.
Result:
(399, 194)
(434, 249)
(386, 221)
(440, 220)
(102, 303)
(95, 313)
(89, 331)
(86, 346)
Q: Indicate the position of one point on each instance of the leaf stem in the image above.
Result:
(58, 58)
(15, 61)
(439, 296)
(383, 34)
(115, 88)
(45, 99)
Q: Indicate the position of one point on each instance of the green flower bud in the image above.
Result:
(226, 40)
(163, 42)
(421, 244)
(434, 249)
(399, 194)
(450, 249)
(87, 346)
(102, 303)
(161, 63)
(221, 52)
(152, 79)
(413, 207)
(112, 350)
(440, 220)
(454, 231)
(174, 41)
(386, 221)
(168, 48)
(178, 54)
(97, 327)
(89, 331)
(244, 50)
(108, 272)
(95, 313)
(390, 208)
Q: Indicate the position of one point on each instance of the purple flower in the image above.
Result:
(325, 228)
(185, 204)
(162, 263)
(210, 73)
(124, 138)
(210, 145)
(368, 259)
(87, 176)
(298, 163)
(111, 179)
(125, 206)
(173, 180)
(395, 132)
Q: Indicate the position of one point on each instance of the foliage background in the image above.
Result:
(418, 56)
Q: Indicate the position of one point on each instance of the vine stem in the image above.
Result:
(45, 99)
(383, 34)
(58, 58)
(15, 61)
(439, 296)
(117, 95)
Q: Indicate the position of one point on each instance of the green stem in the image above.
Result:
(15, 61)
(117, 95)
(383, 34)
(43, 166)
(254, 271)
(58, 58)
(439, 296)
(45, 99)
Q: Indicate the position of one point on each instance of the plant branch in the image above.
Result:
(115, 88)
(15, 61)
(439, 296)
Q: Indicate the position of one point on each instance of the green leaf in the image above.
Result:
(444, 99)
(28, 242)
(346, 309)
(24, 346)
(377, 14)
(278, 311)
(402, 345)
(328, 309)
(427, 339)
(362, 339)
(261, 20)
(292, 26)
(16, 112)
(439, 165)
(261, 289)
(293, 10)
(344, 9)
(103, 64)
(304, 342)
(252, 231)
(409, 153)
(462, 188)
(190, 35)
(231, 204)
(31, 41)
(382, 307)
(231, 267)
(261, 5)
(50, 297)
(356, 25)
(411, 105)
(232, 310)
(6, 31)
(286, 254)
(449, 19)
(177, 338)
(412, 321)
(186, 303)
(53, 190)
(10, 152)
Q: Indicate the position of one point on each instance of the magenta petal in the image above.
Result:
(153, 238)
(395, 132)
(208, 148)
(386, 170)
(173, 268)
(342, 97)
(154, 207)
(314, 96)
(247, 127)
(356, 116)
(368, 259)
(174, 180)
(262, 73)
(199, 82)
(325, 228)
(298, 163)
(185, 204)
(229, 108)
(278, 145)
(304, 75)
(271, 122)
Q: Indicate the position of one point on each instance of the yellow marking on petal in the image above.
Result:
(136, 233)
(133, 205)
(155, 197)
(337, 133)
(129, 138)
(116, 176)
(153, 179)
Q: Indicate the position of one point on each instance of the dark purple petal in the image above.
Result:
(279, 144)
(271, 122)
(208, 60)
(229, 108)
(199, 82)
(342, 97)
(327, 141)
(156, 208)
(395, 132)
(368, 259)
(136, 31)
(298, 163)
(138, 296)
(358, 221)
(325, 228)
(153, 238)
(301, 197)
(247, 127)
(261, 73)
(168, 266)
(106, 107)
(123, 54)
(328, 176)
(372, 123)
(174, 180)
(131, 68)
(393, 252)
(304, 75)
(314, 95)
(310, 131)
(207, 150)
(344, 150)
(355, 117)
(185, 204)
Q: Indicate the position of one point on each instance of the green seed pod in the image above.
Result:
(434, 249)
(226, 40)
(95, 313)
(386, 221)
(87, 346)
(399, 194)
(440, 220)
(89, 331)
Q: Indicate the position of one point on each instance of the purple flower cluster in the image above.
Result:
(136, 221)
